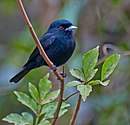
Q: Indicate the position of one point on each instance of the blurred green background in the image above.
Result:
(99, 22)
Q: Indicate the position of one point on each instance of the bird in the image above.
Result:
(58, 43)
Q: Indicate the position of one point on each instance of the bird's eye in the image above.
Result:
(61, 28)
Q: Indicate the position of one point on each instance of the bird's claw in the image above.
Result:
(64, 75)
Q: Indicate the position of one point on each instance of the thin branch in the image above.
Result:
(106, 53)
(116, 49)
(70, 96)
(42, 52)
(126, 53)
(112, 47)
(109, 46)
(59, 104)
(76, 111)
(72, 121)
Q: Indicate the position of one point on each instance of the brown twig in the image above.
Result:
(112, 47)
(70, 96)
(72, 121)
(109, 46)
(42, 52)
(106, 53)
(76, 110)
(126, 53)
(116, 50)
(59, 104)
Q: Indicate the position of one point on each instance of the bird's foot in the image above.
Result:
(53, 69)
(64, 75)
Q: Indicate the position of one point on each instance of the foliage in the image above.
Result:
(85, 77)
(40, 101)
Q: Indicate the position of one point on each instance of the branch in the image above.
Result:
(76, 111)
(107, 53)
(59, 104)
(116, 49)
(70, 96)
(109, 46)
(72, 121)
(42, 52)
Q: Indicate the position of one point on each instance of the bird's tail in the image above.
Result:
(20, 75)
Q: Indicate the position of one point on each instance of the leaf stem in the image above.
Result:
(37, 119)
(38, 114)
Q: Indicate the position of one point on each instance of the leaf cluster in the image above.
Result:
(85, 76)
(40, 101)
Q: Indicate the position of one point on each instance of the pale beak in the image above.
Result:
(70, 28)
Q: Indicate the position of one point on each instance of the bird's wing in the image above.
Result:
(46, 42)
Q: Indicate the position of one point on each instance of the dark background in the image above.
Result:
(99, 22)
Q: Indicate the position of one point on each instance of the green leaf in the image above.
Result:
(63, 109)
(14, 118)
(28, 117)
(72, 83)
(49, 109)
(27, 101)
(89, 61)
(84, 91)
(34, 92)
(44, 86)
(64, 105)
(77, 73)
(50, 97)
(109, 66)
(91, 74)
(105, 83)
(25, 119)
(94, 82)
(50, 113)
(44, 122)
(62, 112)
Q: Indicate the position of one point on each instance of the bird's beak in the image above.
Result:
(70, 28)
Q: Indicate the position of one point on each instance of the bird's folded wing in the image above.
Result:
(46, 42)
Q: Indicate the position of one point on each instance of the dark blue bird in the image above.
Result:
(58, 43)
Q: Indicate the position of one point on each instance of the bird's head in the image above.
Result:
(62, 26)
